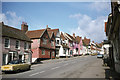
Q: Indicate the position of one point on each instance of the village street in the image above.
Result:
(77, 67)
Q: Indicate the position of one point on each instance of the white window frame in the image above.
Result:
(18, 45)
(26, 45)
(58, 41)
(8, 43)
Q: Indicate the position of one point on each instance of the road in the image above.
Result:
(79, 67)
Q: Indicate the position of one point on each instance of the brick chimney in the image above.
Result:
(73, 35)
(47, 27)
(24, 27)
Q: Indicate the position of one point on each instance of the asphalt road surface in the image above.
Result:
(79, 67)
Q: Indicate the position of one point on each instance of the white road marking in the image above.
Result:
(42, 72)
(36, 73)
(55, 68)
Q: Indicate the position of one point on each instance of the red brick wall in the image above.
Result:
(47, 53)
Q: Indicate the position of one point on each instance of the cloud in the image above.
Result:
(91, 28)
(11, 19)
(99, 6)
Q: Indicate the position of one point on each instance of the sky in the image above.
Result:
(85, 19)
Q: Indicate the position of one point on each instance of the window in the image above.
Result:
(53, 53)
(48, 53)
(7, 42)
(71, 44)
(29, 46)
(25, 45)
(43, 52)
(52, 43)
(44, 41)
(64, 51)
(57, 41)
(71, 52)
(17, 44)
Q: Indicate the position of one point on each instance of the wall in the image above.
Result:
(12, 48)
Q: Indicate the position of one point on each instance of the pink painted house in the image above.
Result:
(15, 44)
(75, 44)
(79, 45)
(70, 43)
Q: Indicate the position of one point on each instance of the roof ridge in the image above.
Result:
(37, 30)
(11, 27)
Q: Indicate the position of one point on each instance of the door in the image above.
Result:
(20, 57)
(50, 54)
(4, 59)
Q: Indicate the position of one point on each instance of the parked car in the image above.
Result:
(99, 55)
(93, 54)
(16, 66)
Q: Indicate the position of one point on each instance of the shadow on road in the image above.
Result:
(37, 63)
(13, 72)
(111, 75)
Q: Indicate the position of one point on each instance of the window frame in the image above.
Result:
(18, 44)
(43, 52)
(44, 41)
(52, 43)
(26, 46)
(53, 54)
(58, 41)
(7, 43)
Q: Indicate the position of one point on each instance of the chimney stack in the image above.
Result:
(73, 35)
(24, 27)
(47, 27)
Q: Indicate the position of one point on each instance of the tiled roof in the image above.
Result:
(65, 46)
(53, 30)
(99, 44)
(78, 39)
(8, 31)
(72, 39)
(38, 33)
(35, 33)
(62, 36)
(86, 41)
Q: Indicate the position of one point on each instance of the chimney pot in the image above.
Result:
(73, 35)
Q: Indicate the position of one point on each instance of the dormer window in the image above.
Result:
(44, 41)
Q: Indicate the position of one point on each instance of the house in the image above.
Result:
(43, 45)
(112, 29)
(86, 46)
(64, 48)
(75, 46)
(57, 39)
(93, 47)
(80, 45)
(70, 43)
(15, 44)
